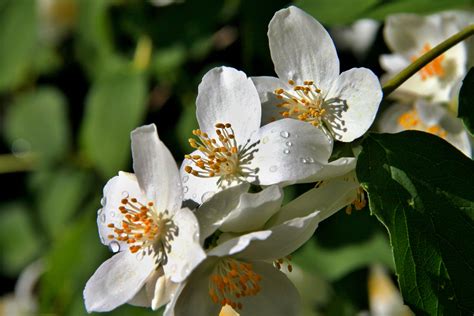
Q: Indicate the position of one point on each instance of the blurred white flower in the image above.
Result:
(409, 36)
(310, 87)
(164, 3)
(432, 118)
(155, 240)
(232, 148)
(357, 37)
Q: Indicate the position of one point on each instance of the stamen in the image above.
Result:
(359, 203)
(280, 263)
(434, 68)
(232, 280)
(220, 157)
(411, 121)
(144, 229)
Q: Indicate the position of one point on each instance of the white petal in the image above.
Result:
(237, 244)
(393, 63)
(226, 95)
(215, 210)
(283, 240)
(277, 297)
(253, 210)
(328, 198)
(140, 299)
(156, 169)
(302, 49)
(164, 290)
(117, 281)
(431, 113)
(358, 89)
(119, 187)
(291, 151)
(266, 87)
(186, 251)
(196, 190)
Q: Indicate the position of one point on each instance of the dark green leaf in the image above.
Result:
(421, 189)
(466, 101)
(114, 107)
(19, 241)
(37, 122)
(17, 39)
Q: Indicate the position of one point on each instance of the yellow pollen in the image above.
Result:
(279, 263)
(359, 203)
(232, 280)
(411, 121)
(434, 68)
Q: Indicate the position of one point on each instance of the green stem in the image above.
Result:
(10, 163)
(425, 59)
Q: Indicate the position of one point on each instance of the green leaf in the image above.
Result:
(421, 189)
(114, 107)
(59, 198)
(19, 241)
(466, 101)
(37, 122)
(326, 12)
(17, 39)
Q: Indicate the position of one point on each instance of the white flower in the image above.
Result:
(409, 36)
(157, 242)
(309, 87)
(357, 37)
(432, 118)
(250, 236)
(232, 148)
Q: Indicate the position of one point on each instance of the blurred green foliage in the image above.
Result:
(78, 75)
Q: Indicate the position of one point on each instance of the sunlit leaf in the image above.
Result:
(421, 189)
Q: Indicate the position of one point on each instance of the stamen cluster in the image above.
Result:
(412, 121)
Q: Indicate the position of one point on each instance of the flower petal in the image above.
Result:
(117, 188)
(186, 252)
(237, 244)
(117, 281)
(283, 240)
(163, 292)
(226, 95)
(215, 210)
(389, 120)
(253, 210)
(359, 90)
(302, 49)
(156, 169)
(266, 87)
(291, 151)
(331, 196)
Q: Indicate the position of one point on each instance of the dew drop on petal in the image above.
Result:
(114, 246)
(194, 195)
(185, 189)
(304, 160)
(102, 217)
(284, 134)
(273, 168)
(289, 144)
(185, 179)
(206, 196)
(112, 214)
(265, 140)
(125, 194)
(310, 160)
(286, 151)
(103, 201)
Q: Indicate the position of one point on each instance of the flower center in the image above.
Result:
(143, 228)
(306, 103)
(232, 280)
(411, 121)
(218, 157)
(434, 68)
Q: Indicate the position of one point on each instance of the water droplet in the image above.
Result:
(125, 194)
(185, 189)
(103, 201)
(194, 195)
(206, 196)
(265, 140)
(273, 168)
(114, 246)
(185, 179)
(303, 160)
(102, 217)
(289, 144)
(112, 214)
(284, 134)
(286, 151)
(310, 160)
